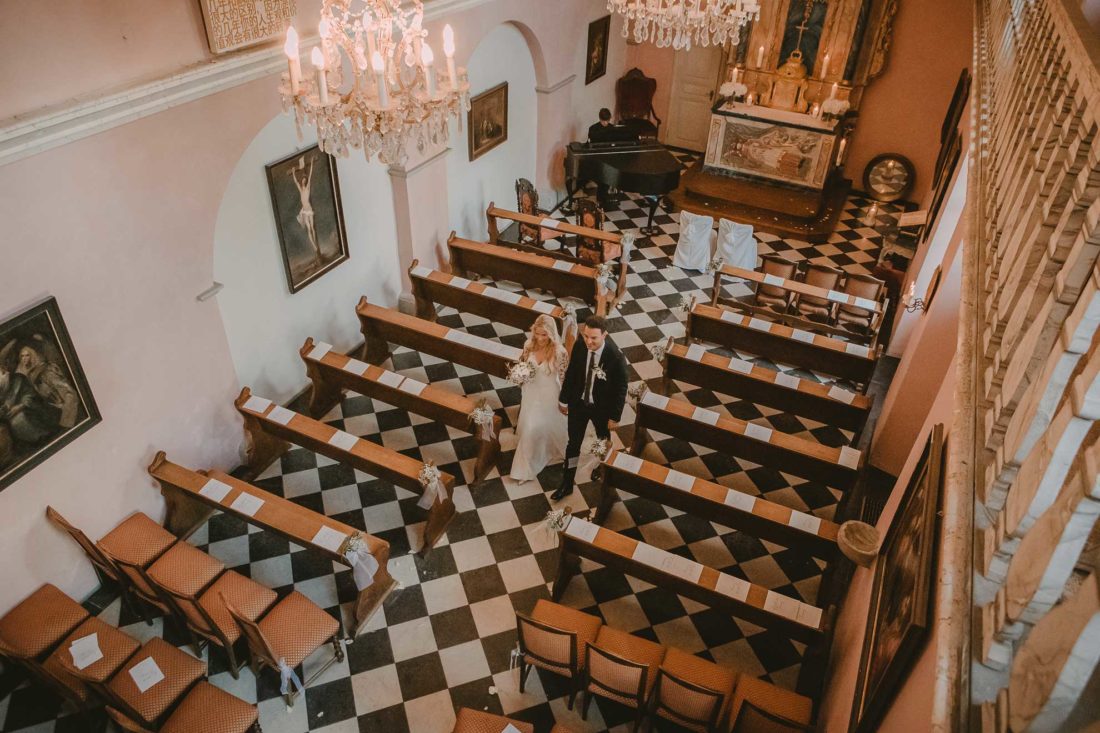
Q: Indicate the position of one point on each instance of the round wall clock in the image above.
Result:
(889, 177)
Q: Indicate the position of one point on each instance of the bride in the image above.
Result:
(541, 432)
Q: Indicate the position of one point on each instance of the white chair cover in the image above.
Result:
(693, 246)
(736, 245)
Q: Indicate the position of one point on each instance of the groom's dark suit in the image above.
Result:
(603, 403)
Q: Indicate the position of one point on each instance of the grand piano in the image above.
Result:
(642, 167)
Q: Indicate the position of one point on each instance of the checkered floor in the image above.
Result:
(444, 639)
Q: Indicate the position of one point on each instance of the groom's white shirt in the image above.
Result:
(599, 355)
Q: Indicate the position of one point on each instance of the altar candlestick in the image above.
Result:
(760, 58)
(825, 67)
(840, 149)
(427, 58)
(816, 111)
(832, 94)
(291, 50)
(449, 52)
(318, 59)
(750, 99)
(379, 66)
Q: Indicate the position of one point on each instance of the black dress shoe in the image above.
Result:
(561, 493)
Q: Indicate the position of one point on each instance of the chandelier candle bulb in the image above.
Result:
(379, 67)
(427, 58)
(449, 52)
(318, 59)
(291, 50)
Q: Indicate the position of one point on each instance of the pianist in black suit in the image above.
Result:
(593, 390)
(602, 132)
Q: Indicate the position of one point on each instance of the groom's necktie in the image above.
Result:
(589, 378)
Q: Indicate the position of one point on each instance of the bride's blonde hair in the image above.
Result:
(549, 325)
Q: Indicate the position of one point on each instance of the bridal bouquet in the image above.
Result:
(521, 372)
(354, 544)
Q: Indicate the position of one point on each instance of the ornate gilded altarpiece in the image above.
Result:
(236, 24)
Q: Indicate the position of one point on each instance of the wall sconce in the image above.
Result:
(912, 303)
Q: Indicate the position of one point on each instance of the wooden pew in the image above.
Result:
(759, 517)
(738, 378)
(383, 326)
(562, 227)
(193, 496)
(877, 308)
(269, 430)
(783, 344)
(726, 593)
(836, 467)
(332, 372)
(563, 279)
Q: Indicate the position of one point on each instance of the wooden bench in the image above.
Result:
(726, 593)
(759, 517)
(193, 496)
(332, 372)
(783, 344)
(824, 403)
(836, 467)
(383, 326)
(269, 430)
(875, 307)
(563, 279)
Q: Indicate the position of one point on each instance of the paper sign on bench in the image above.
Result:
(214, 490)
(510, 729)
(257, 404)
(542, 306)
(506, 296)
(549, 223)
(582, 529)
(412, 386)
(842, 394)
(805, 522)
(682, 567)
(655, 400)
(247, 504)
(758, 432)
(390, 379)
(740, 365)
(730, 316)
(808, 615)
(760, 325)
(319, 350)
(356, 367)
(681, 481)
(627, 462)
(836, 297)
(700, 414)
(460, 282)
(799, 335)
(781, 605)
(146, 673)
(342, 440)
(732, 587)
(280, 415)
(867, 304)
(695, 352)
(857, 349)
(774, 280)
(786, 380)
(740, 500)
(329, 538)
(421, 271)
(563, 265)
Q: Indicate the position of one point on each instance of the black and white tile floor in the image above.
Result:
(443, 640)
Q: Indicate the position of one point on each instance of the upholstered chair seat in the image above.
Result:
(553, 638)
(811, 306)
(206, 709)
(185, 569)
(771, 296)
(117, 647)
(246, 595)
(134, 545)
(853, 318)
(692, 692)
(468, 720)
(181, 672)
(621, 667)
(39, 622)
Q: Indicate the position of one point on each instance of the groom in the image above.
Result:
(594, 390)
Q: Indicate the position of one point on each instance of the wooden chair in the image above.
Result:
(751, 719)
(772, 296)
(82, 686)
(852, 318)
(634, 103)
(773, 708)
(527, 202)
(621, 667)
(290, 632)
(205, 709)
(152, 707)
(692, 692)
(590, 250)
(553, 637)
(812, 307)
(133, 546)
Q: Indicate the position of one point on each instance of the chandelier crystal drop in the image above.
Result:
(375, 86)
(680, 23)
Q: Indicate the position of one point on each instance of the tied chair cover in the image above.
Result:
(363, 566)
(693, 246)
(736, 244)
(288, 677)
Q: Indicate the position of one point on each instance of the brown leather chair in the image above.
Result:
(152, 708)
(205, 709)
(135, 544)
(692, 692)
(852, 318)
(553, 638)
(816, 308)
(83, 686)
(634, 103)
(106, 570)
(621, 667)
(771, 296)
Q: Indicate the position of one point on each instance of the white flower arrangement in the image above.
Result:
(658, 351)
(604, 271)
(685, 304)
(636, 391)
(600, 448)
(429, 474)
(482, 416)
(355, 543)
(835, 107)
(598, 372)
(556, 519)
(716, 264)
(520, 373)
(733, 89)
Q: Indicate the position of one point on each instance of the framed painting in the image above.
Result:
(763, 149)
(305, 198)
(487, 120)
(900, 616)
(45, 400)
(234, 24)
(595, 63)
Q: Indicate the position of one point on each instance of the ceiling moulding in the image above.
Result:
(25, 135)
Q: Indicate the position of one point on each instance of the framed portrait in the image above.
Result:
(595, 64)
(45, 400)
(487, 120)
(900, 615)
(305, 198)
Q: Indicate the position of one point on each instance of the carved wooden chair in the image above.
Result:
(527, 202)
(634, 102)
(205, 709)
(771, 296)
(553, 638)
(811, 306)
(590, 215)
(692, 692)
(621, 667)
(855, 319)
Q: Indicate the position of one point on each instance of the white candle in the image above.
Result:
(449, 52)
(379, 66)
(749, 99)
(840, 149)
(816, 111)
(291, 50)
(318, 59)
(760, 57)
(825, 67)
(427, 58)
(832, 94)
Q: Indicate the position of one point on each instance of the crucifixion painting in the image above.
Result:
(802, 32)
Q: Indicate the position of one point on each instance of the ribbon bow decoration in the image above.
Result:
(429, 479)
(363, 564)
(288, 676)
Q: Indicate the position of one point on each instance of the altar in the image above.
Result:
(774, 144)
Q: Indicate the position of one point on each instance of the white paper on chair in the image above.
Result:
(390, 379)
(421, 271)
(563, 265)
(510, 729)
(857, 349)
(329, 538)
(505, 295)
(774, 280)
(760, 325)
(758, 432)
(319, 350)
(786, 380)
(582, 529)
(460, 282)
(799, 335)
(247, 504)
(542, 306)
(740, 500)
(85, 651)
(732, 587)
(412, 386)
(695, 352)
(356, 367)
(549, 223)
(740, 365)
(842, 394)
(805, 522)
(257, 404)
(655, 400)
(280, 415)
(214, 490)
(709, 417)
(836, 297)
(678, 480)
(146, 673)
(342, 440)
(627, 462)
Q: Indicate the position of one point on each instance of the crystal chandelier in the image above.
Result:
(680, 23)
(376, 86)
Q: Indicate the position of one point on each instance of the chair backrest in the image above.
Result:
(780, 267)
(634, 96)
(95, 555)
(547, 644)
(527, 197)
(686, 703)
(862, 286)
(614, 674)
(137, 580)
(821, 276)
(258, 644)
(590, 215)
(124, 722)
(187, 608)
(753, 719)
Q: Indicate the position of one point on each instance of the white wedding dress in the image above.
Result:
(541, 434)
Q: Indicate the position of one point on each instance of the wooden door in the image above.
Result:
(694, 81)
